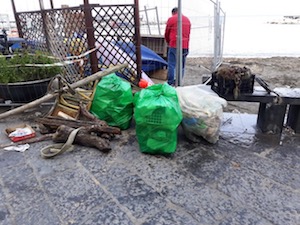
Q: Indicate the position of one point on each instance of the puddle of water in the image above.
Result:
(288, 92)
(240, 129)
(239, 123)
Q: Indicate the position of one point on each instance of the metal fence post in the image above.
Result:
(147, 19)
(43, 13)
(179, 46)
(216, 30)
(157, 20)
(20, 33)
(51, 4)
(218, 38)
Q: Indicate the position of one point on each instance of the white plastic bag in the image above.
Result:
(202, 111)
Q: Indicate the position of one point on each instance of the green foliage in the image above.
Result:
(14, 69)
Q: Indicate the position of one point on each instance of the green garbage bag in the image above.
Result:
(113, 101)
(157, 116)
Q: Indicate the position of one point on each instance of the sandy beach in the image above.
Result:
(275, 71)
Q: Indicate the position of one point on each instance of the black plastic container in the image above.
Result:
(225, 87)
(24, 92)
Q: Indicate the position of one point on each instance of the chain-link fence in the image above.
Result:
(207, 32)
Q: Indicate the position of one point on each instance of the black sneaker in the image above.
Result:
(171, 84)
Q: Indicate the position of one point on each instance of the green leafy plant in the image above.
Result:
(27, 67)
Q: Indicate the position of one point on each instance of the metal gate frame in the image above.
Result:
(70, 32)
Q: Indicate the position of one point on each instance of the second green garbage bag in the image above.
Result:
(157, 115)
(113, 101)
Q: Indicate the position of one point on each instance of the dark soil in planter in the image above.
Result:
(24, 92)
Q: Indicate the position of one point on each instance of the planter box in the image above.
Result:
(24, 92)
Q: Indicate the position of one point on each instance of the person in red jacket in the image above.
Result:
(170, 37)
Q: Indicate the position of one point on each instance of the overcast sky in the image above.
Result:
(261, 7)
(231, 7)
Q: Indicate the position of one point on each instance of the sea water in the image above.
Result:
(257, 36)
(244, 36)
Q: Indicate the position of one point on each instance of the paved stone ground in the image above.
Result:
(246, 178)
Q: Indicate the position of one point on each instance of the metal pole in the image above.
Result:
(137, 39)
(42, 7)
(147, 19)
(45, 25)
(18, 23)
(222, 41)
(90, 34)
(216, 34)
(158, 23)
(179, 46)
(51, 4)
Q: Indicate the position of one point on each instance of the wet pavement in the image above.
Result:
(246, 178)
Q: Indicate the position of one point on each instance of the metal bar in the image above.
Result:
(51, 4)
(137, 39)
(224, 22)
(157, 19)
(90, 35)
(216, 34)
(17, 19)
(45, 25)
(42, 7)
(221, 36)
(148, 9)
(179, 46)
(146, 13)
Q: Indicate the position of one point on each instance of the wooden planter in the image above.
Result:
(24, 92)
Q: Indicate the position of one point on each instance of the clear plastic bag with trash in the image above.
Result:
(202, 111)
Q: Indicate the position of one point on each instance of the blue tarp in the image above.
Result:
(150, 60)
(12, 42)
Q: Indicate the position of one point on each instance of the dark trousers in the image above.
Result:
(172, 63)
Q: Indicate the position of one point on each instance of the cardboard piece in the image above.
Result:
(159, 74)
(20, 132)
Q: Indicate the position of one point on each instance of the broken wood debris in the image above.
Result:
(92, 132)
(53, 123)
(85, 119)
(90, 136)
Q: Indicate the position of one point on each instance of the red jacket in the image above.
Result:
(171, 31)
